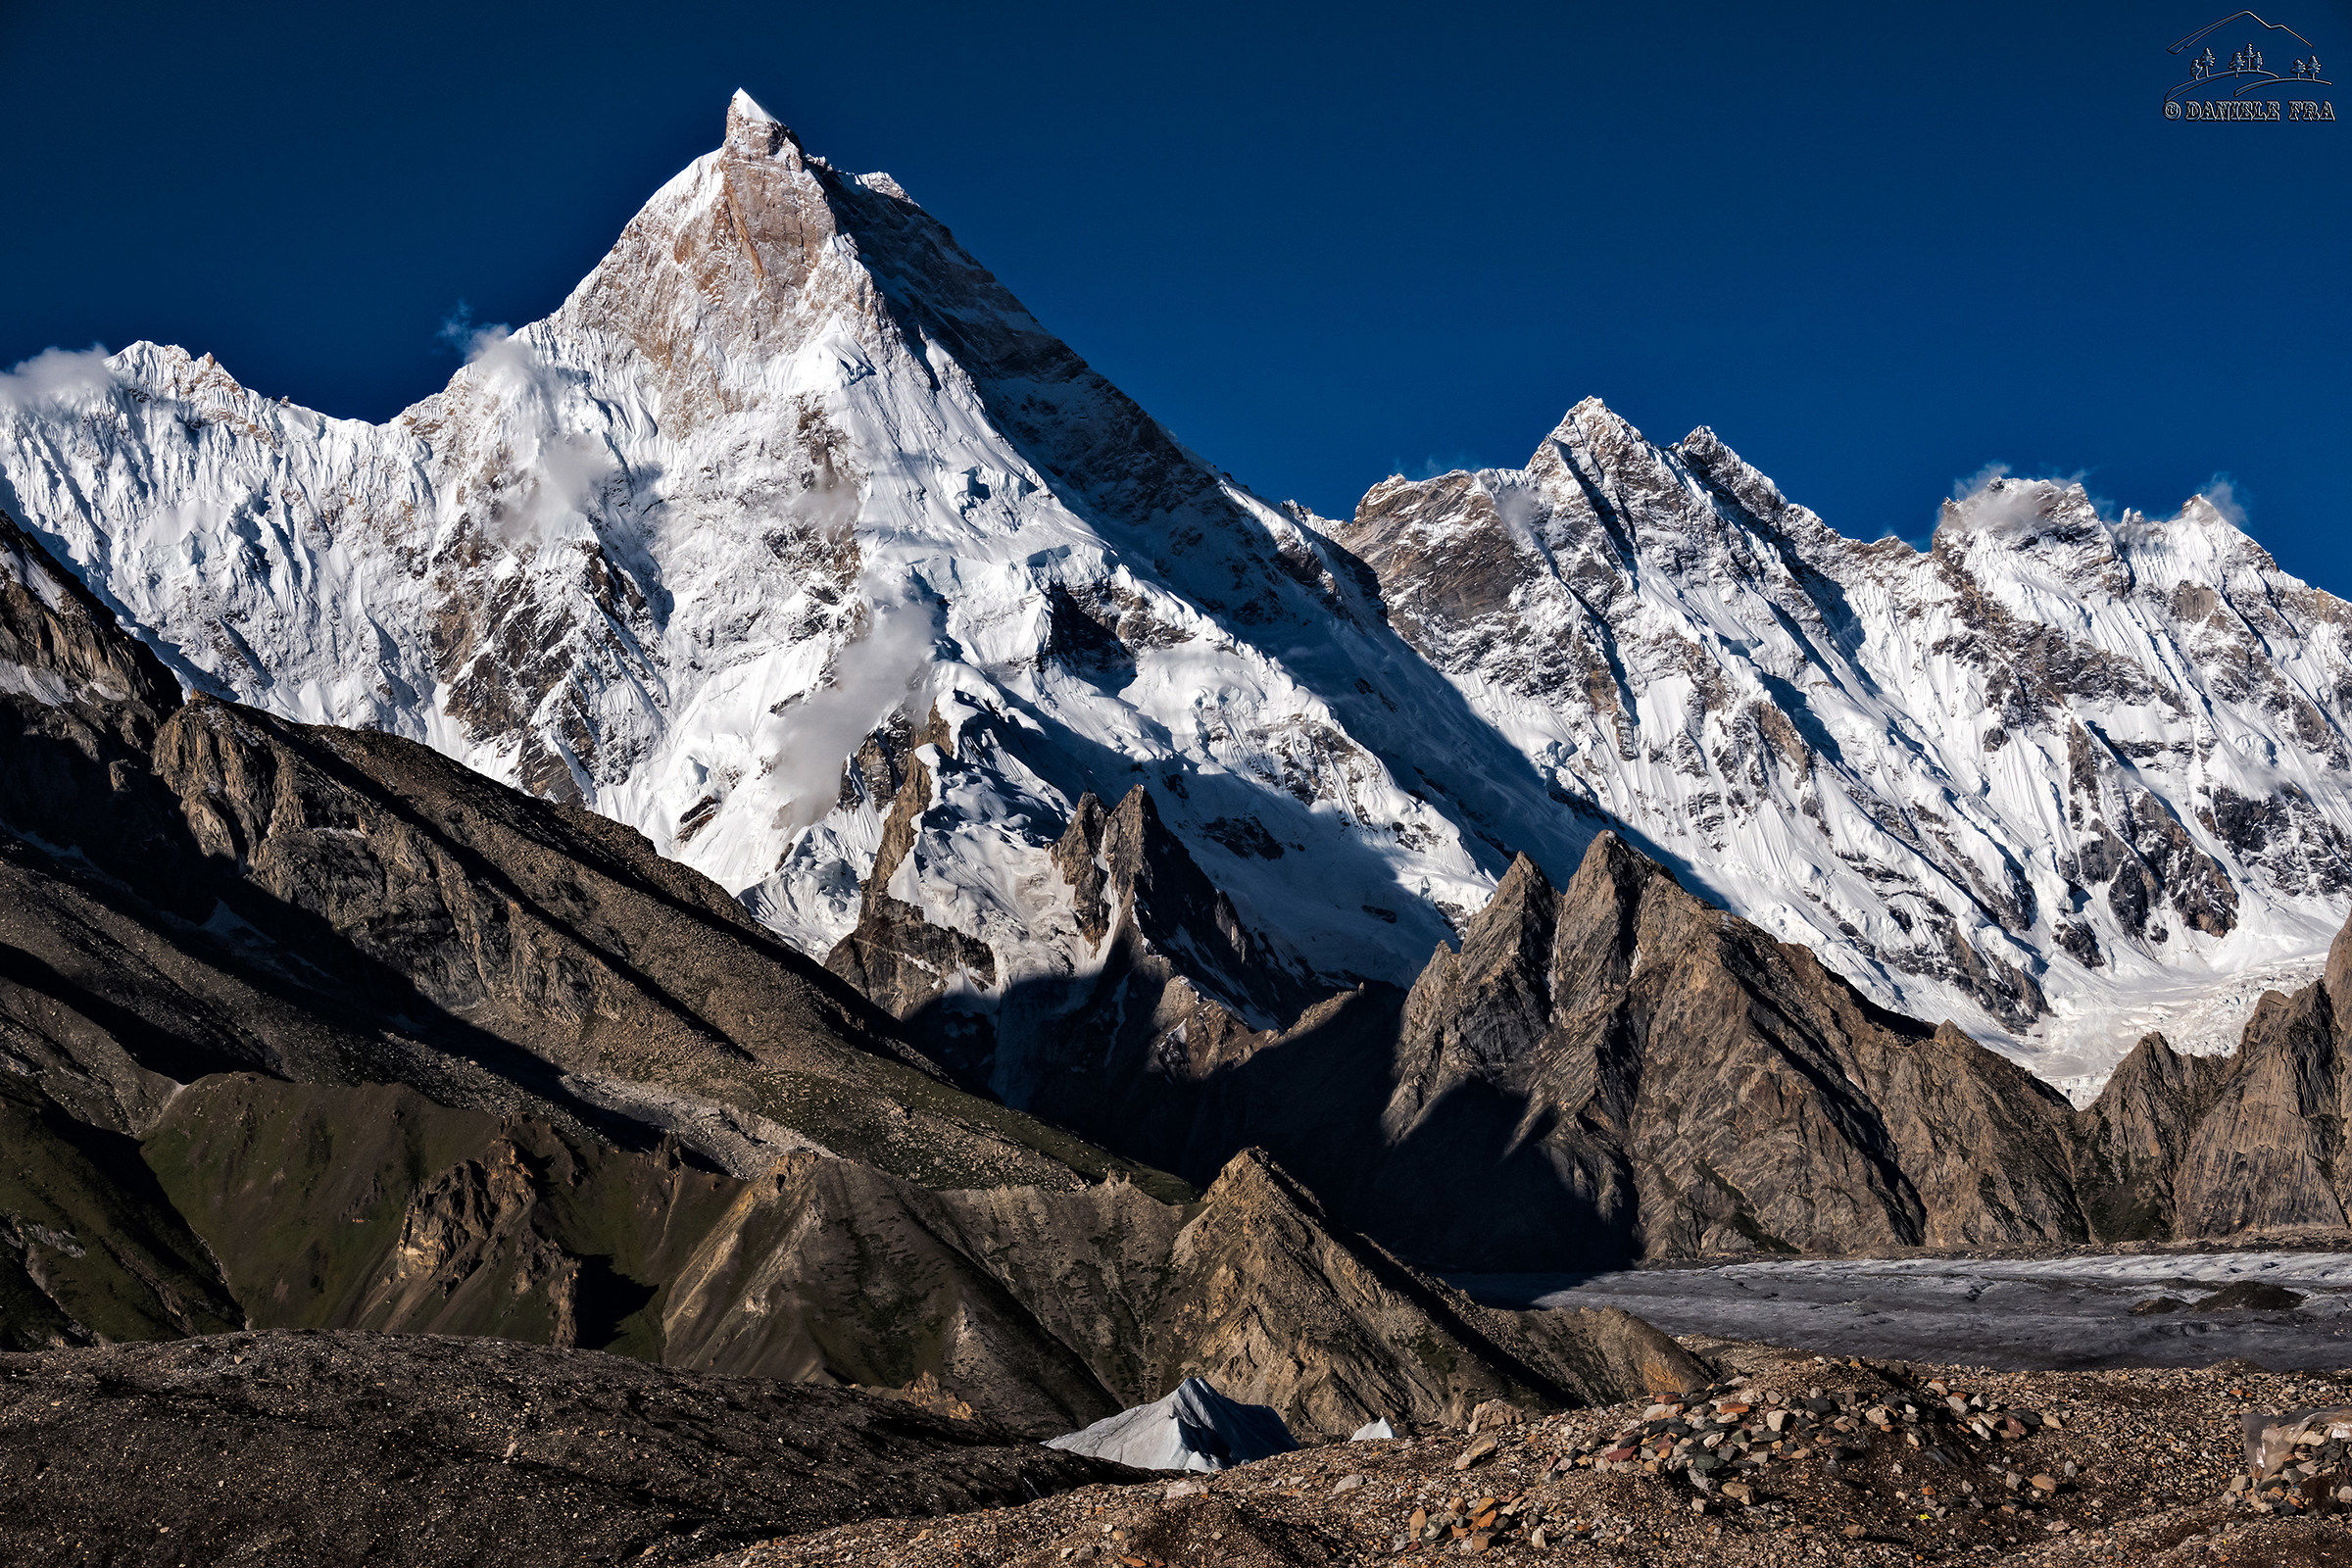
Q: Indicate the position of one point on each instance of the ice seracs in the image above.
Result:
(790, 480)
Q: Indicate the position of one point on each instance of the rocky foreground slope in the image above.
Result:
(362, 1448)
(790, 479)
(420, 1451)
(1783, 1458)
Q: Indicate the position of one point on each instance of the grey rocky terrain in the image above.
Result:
(408, 1450)
(2285, 1310)
(1779, 1457)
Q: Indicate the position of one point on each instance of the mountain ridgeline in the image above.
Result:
(1617, 1069)
(790, 473)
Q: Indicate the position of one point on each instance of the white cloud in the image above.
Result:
(461, 332)
(1990, 502)
(56, 375)
(1995, 501)
(874, 672)
(2223, 496)
(1976, 483)
(558, 473)
(561, 477)
(1435, 464)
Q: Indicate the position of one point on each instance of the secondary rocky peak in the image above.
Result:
(1592, 419)
(1599, 926)
(2208, 1145)
(1262, 1254)
(1646, 1046)
(1592, 439)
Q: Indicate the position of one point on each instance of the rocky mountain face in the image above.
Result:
(786, 466)
(1616, 1069)
(2210, 1146)
(1854, 745)
(314, 1028)
(200, 886)
(792, 541)
(1662, 1079)
(369, 1206)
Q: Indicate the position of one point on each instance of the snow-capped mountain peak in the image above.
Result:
(793, 540)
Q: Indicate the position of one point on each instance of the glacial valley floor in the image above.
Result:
(2080, 1309)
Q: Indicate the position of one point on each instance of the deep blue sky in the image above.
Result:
(1877, 247)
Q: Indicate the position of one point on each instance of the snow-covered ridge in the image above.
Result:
(2054, 760)
(790, 467)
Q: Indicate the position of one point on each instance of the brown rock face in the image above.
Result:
(2135, 1135)
(1648, 1075)
(373, 1207)
(1274, 1306)
(198, 886)
(60, 645)
(2208, 1147)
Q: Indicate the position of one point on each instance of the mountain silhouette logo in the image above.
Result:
(2243, 59)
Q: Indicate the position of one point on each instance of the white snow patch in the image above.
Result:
(1193, 1428)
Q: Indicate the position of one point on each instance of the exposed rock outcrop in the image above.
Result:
(1646, 1075)
(1617, 1071)
(2213, 1145)
(196, 886)
(897, 960)
(2136, 1134)
(1276, 1305)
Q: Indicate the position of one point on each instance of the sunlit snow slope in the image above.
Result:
(790, 467)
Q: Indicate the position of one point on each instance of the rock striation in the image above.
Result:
(2202, 1147)
(1647, 1076)
(1615, 1069)
(372, 1208)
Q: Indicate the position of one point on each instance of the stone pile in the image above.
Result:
(2298, 1462)
(1726, 1440)
(1476, 1524)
